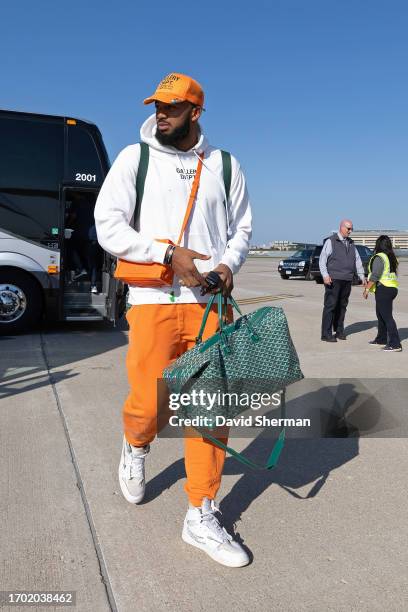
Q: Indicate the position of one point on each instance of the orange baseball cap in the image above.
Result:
(177, 87)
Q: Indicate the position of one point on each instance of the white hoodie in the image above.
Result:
(170, 175)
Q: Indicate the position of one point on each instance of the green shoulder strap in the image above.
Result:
(141, 179)
(226, 171)
(142, 172)
(276, 449)
(272, 459)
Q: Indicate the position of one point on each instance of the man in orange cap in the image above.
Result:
(164, 320)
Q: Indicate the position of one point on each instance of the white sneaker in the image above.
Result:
(94, 289)
(132, 471)
(203, 530)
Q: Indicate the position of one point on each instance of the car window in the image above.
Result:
(303, 254)
(363, 251)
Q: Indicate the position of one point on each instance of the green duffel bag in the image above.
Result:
(254, 354)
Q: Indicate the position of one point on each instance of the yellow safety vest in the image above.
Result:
(388, 279)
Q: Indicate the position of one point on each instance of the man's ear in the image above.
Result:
(196, 113)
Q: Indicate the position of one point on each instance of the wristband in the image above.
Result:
(169, 254)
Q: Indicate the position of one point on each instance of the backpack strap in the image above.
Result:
(141, 179)
(226, 172)
(142, 172)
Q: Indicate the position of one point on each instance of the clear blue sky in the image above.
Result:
(310, 95)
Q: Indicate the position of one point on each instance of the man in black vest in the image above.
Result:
(338, 262)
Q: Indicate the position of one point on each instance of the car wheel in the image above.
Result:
(284, 277)
(21, 301)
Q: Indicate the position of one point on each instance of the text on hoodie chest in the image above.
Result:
(186, 173)
(171, 183)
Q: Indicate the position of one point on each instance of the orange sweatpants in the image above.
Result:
(159, 333)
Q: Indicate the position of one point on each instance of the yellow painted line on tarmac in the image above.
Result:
(267, 298)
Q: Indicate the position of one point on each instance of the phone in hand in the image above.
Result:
(213, 281)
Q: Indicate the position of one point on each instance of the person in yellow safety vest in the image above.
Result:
(383, 282)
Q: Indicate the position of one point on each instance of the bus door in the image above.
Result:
(82, 295)
(89, 290)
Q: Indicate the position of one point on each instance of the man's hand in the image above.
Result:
(364, 282)
(227, 280)
(327, 280)
(183, 266)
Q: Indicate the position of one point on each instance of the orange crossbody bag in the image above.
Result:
(155, 274)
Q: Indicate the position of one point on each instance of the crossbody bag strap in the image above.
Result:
(191, 199)
(141, 179)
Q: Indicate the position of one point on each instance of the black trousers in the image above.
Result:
(78, 253)
(95, 261)
(336, 297)
(387, 328)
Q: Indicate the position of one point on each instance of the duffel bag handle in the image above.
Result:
(254, 336)
(204, 319)
(222, 303)
(220, 308)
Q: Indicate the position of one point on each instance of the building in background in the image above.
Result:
(287, 245)
(399, 238)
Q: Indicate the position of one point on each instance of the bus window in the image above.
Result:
(31, 154)
(33, 215)
(84, 166)
(31, 162)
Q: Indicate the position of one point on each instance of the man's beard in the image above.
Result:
(178, 134)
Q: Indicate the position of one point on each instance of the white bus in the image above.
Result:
(51, 266)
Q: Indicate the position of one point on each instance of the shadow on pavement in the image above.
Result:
(67, 342)
(403, 333)
(25, 358)
(360, 326)
(303, 461)
(13, 385)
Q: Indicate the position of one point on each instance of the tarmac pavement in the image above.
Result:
(327, 529)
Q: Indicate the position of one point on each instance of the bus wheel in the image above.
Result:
(21, 301)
